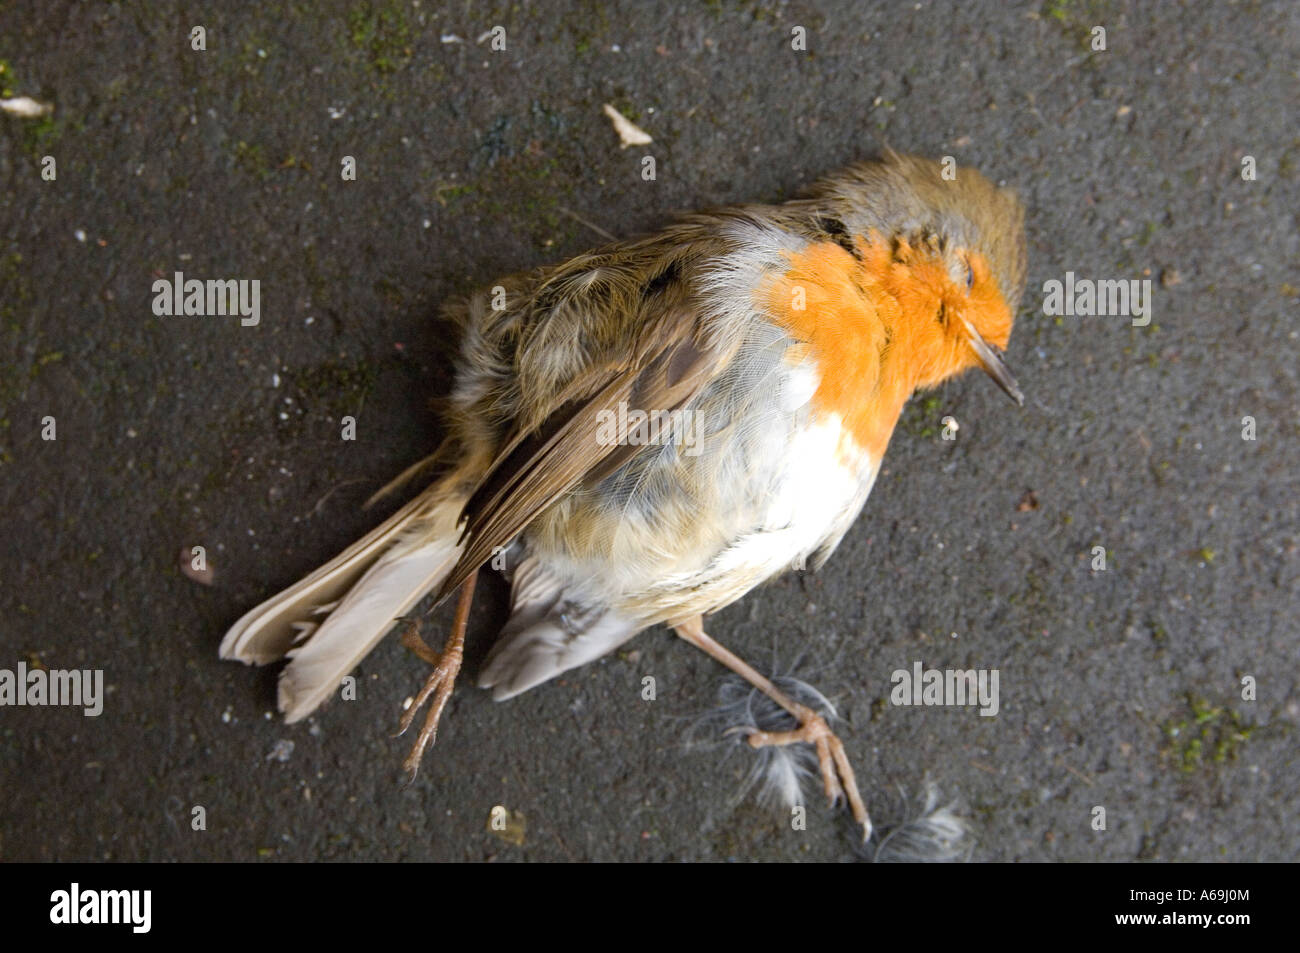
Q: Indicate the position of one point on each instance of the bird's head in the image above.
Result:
(950, 247)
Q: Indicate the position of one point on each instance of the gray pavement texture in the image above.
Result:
(1120, 689)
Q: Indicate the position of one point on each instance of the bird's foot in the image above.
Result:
(441, 681)
(439, 684)
(837, 774)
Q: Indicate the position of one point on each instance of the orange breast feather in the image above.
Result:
(840, 309)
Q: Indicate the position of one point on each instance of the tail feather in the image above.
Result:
(364, 616)
(360, 594)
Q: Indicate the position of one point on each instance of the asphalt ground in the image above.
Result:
(1120, 689)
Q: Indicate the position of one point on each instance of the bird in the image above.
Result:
(646, 432)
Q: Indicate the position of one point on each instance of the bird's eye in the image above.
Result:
(970, 277)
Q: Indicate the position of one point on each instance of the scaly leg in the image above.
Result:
(837, 773)
(441, 681)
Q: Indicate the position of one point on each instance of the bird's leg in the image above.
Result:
(837, 773)
(417, 646)
(441, 681)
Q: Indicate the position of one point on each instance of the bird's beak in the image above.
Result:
(991, 360)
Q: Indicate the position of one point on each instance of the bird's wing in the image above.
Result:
(667, 363)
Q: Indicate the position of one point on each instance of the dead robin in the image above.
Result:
(643, 434)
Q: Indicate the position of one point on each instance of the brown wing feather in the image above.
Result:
(666, 369)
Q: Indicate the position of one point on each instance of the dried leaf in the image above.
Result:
(628, 133)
